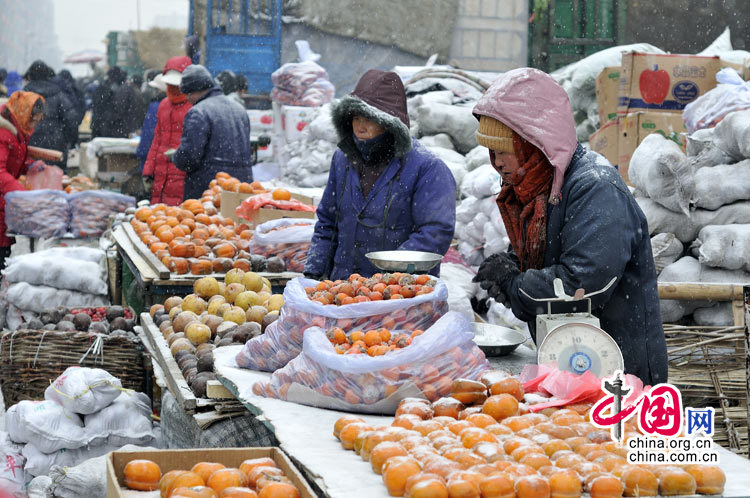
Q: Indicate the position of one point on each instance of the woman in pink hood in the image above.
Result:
(569, 215)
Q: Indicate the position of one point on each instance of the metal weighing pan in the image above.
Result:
(495, 340)
(404, 261)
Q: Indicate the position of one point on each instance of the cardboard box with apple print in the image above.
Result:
(605, 142)
(634, 127)
(664, 82)
(607, 91)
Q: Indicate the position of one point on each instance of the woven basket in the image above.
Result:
(31, 359)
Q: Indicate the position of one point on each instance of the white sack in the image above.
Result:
(477, 156)
(481, 182)
(666, 249)
(458, 122)
(126, 421)
(81, 253)
(722, 43)
(495, 238)
(84, 390)
(12, 470)
(58, 272)
(488, 206)
(321, 127)
(699, 141)
(39, 487)
(686, 227)
(460, 288)
(470, 253)
(718, 315)
(500, 315)
(724, 246)
(446, 155)
(466, 209)
(688, 269)
(85, 479)
(39, 463)
(732, 135)
(458, 170)
(723, 184)
(38, 298)
(441, 140)
(660, 169)
(45, 425)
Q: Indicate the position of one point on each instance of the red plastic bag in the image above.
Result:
(251, 205)
(41, 176)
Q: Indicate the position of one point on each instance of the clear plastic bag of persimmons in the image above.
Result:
(421, 366)
(282, 340)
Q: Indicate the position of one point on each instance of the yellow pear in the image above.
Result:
(252, 281)
(234, 276)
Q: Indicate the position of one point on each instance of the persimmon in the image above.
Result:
(205, 469)
(382, 452)
(481, 420)
(238, 492)
(143, 213)
(497, 486)
(425, 485)
(349, 433)
(256, 473)
(555, 445)
(501, 406)
(193, 492)
(279, 490)
(142, 475)
(674, 481)
(281, 194)
(396, 471)
(372, 338)
(532, 486)
(184, 480)
(565, 484)
(267, 479)
(638, 481)
(251, 463)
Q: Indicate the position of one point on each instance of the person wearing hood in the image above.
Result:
(75, 95)
(155, 92)
(59, 127)
(215, 134)
(384, 191)
(114, 107)
(18, 117)
(168, 182)
(13, 82)
(569, 215)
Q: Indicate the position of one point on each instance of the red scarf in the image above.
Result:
(523, 204)
(174, 95)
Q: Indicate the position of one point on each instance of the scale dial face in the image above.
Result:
(578, 347)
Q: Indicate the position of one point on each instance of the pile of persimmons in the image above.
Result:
(379, 287)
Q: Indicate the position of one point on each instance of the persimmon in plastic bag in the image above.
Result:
(321, 377)
(287, 238)
(250, 206)
(37, 213)
(42, 176)
(282, 340)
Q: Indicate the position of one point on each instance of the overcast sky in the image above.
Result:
(84, 24)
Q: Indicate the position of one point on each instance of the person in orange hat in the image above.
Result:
(18, 117)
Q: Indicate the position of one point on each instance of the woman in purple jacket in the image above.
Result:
(384, 191)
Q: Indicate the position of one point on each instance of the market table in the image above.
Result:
(305, 433)
(154, 282)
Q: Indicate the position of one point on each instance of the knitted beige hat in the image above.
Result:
(494, 135)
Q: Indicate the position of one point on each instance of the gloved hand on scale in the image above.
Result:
(495, 274)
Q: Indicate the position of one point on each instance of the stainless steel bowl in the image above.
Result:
(404, 261)
(495, 340)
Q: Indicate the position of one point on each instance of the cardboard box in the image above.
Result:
(634, 127)
(231, 200)
(664, 82)
(294, 119)
(185, 459)
(607, 89)
(604, 141)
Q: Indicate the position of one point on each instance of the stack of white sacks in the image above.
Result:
(61, 276)
(698, 205)
(85, 414)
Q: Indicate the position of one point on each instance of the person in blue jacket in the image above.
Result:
(155, 92)
(384, 191)
(215, 134)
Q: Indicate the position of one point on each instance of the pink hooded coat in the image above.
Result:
(533, 105)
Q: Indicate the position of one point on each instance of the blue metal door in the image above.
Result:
(244, 36)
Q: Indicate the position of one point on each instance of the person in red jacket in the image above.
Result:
(168, 182)
(17, 120)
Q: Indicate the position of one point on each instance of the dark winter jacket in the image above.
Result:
(75, 96)
(215, 137)
(147, 132)
(169, 182)
(114, 110)
(59, 126)
(411, 206)
(596, 232)
(13, 144)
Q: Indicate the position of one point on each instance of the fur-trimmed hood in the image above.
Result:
(7, 125)
(379, 97)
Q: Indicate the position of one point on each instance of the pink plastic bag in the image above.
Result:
(41, 176)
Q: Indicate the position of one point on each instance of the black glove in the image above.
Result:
(313, 276)
(495, 274)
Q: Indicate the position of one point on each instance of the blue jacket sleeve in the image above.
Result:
(325, 238)
(597, 243)
(195, 133)
(147, 131)
(433, 210)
